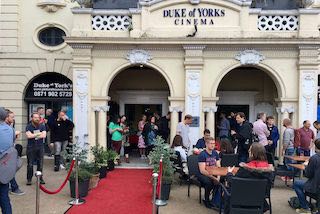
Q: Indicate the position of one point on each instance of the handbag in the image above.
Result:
(10, 163)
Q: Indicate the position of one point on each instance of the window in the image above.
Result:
(51, 36)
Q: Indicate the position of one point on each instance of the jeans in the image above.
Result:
(34, 154)
(60, 146)
(298, 187)
(289, 152)
(207, 184)
(4, 199)
(14, 185)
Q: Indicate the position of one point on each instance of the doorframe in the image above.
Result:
(143, 97)
(239, 98)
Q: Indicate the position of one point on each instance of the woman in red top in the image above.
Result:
(257, 168)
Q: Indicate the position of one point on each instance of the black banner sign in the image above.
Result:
(50, 86)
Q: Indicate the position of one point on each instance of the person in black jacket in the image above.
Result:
(60, 136)
(243, 137)
(312, 185)
(164, 130)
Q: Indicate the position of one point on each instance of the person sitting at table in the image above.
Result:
(257, 168)
(201, 143)
(206, 159)
(312, 185)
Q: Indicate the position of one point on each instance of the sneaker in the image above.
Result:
(56, 168)
(303, 211)
(62, 167)
(29, 183)
(42, 181)
(17, 192)
(127, 160)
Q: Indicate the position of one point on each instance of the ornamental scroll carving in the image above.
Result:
(51, 6)
(308, 94)
(138, 57)
(249, 57)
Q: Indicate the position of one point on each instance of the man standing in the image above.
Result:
(60, 136)
(243, 137)
(206, 159)
(13, 183)
(201, 143)
(164, 130)
(49, 123)
(36, 133)
(224, 127)
(183, 131)
(261, 129)
(306, 138)
(273, 137)
(288, 141)
(7, 139)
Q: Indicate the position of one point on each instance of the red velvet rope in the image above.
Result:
(43, 188)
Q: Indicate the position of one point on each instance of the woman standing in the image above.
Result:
(116, 135)
(125, 137)
(150, 133)
(141, 144)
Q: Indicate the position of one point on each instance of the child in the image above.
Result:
(141, 143)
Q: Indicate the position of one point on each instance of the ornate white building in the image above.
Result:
(184, 56)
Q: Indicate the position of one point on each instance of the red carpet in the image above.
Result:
(124, 191)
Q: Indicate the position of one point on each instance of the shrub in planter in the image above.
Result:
(84, 178)
(162, 148)
(100, 155)
(94, 170)
(112, 155)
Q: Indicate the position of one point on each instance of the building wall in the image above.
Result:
(21, 56)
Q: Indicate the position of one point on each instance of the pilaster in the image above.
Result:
(193, 101)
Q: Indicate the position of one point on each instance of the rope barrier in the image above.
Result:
(159, 179)
(43, 188)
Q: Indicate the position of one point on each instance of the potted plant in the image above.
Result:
(112, 155)
(163, 150)
(83, 174)
(94, 170)
(100, 159)
(83, 185)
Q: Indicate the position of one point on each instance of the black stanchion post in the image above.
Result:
(38, 175)
(77, 200)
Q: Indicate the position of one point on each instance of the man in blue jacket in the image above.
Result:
(273, 137)
(312, 185)
(6, 138)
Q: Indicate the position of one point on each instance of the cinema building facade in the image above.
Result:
(195, 57)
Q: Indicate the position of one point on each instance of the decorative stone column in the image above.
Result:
(308, 73)
(81, 64)
(193, 99)
(93, 126)
(210, 123)
(174, 120)
(102, 126)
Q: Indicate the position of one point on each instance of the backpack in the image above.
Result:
(297, 137)
(294, 202)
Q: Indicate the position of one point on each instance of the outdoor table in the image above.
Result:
(221, 171)
(300, 167)
(298, 158)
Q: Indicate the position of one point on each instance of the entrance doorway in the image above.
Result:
(50, 91)
(136, 91)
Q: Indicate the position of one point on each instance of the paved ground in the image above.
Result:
(179, 203)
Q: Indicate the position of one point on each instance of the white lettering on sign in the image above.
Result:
(195, 16)
(61, 90)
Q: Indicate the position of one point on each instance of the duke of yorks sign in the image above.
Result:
(195, 16)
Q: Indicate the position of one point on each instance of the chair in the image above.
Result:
(246, 195)
(281, 170)
(314, 196)
(177, 165)
(229, 160)
(193, 169)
